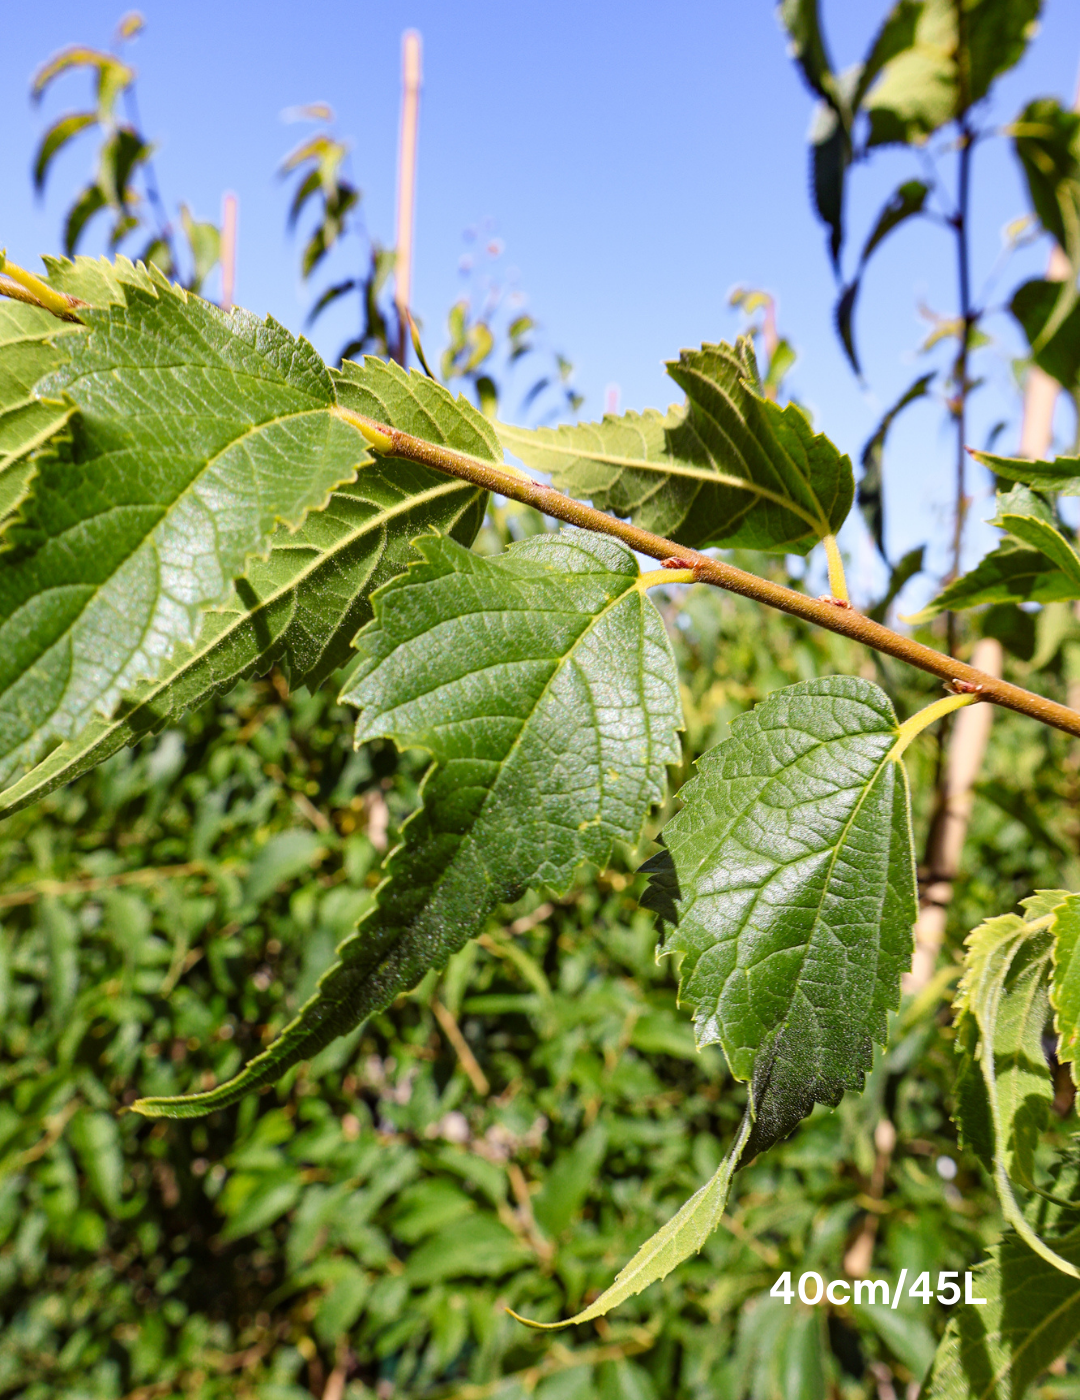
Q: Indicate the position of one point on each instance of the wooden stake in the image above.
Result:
(410, 122)
(229, 209)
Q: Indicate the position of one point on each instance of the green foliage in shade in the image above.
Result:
(543, 685)
(178, 470)
(788, 883)
(1032, 1315)
(726, 467)
(942, 58)
(1065, 982)
(871, 493)
(1012, 573)
(31, 344)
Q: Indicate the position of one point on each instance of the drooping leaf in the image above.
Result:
(177, 472)
(944, 57)
(905, 202)
(57, 136)
(788, 885)
(31, 344)
(1004, 1089)
(1012, 573)
(1061, 475)
(683, 1235)
(830, 135)
(90, 202)
(871, 488)
(1031, 1316)
(1058, 353)
(543, 685)
(727, 467)
(1065, 986)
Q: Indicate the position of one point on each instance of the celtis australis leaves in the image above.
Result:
(197, 433)
(543, 685)
(788, 883)
(31, 344)
(726, 467)
(301, 607)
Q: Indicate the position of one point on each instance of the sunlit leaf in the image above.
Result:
(177, 471)
(728, 466)
(543, 685)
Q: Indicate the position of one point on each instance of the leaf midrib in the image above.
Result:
(373, 523)
(779, 865)
(143, 540)
(714, 477)
(502, 763)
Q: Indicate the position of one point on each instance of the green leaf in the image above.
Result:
(1012, 573)
(905, 202)
(96, 1140)
(1022, 515)
(301, 607)
(31, 344)
(478, 1246)
(683, 1235)
(871, 491)
(90, 202)
(1065, 985)
(1061, 475)
(830, 138)
(1046, 139)
(938, 67)
(1032, 1315)
(1047, 143)
(727, 467)
(788, 882)
(543, 685)
(1035, 305)
(179, 468)
(569, 1181)
(57, 136)
(1002, 1007)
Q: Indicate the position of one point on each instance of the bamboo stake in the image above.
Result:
(229, 211)
(410, 122)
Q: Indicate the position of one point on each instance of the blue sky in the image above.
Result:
(636, 161)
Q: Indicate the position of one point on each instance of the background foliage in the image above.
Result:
(510, 1132)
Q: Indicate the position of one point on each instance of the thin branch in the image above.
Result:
(821, 612)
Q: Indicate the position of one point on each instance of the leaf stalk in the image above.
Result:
(845, 621)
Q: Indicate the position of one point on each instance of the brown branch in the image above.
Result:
(468, 1061)
(88, 883)
(821, 612)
